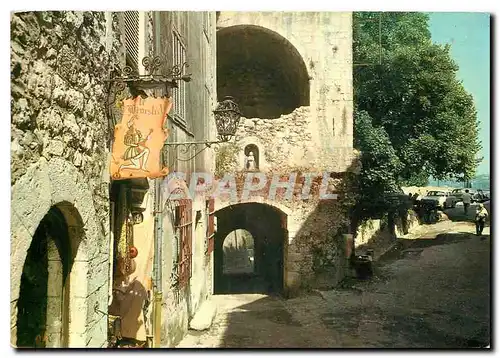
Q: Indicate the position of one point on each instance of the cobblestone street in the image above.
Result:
(433, 292)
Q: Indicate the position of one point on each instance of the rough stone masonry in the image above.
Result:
(59, 147)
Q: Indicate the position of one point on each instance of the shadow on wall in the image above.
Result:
(377, 235)
(263, 70)
(317, 254)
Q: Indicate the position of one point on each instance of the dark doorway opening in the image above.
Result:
(249, 249)
(42, 319)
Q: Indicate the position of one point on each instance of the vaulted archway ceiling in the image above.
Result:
(262, 70)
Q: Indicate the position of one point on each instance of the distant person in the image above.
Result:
(415, 198)
(480, 195)
(480, 219)
(466, 198)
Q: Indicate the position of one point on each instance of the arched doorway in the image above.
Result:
(238, 253)
(249, 249)
(262, 70)
(43, 305)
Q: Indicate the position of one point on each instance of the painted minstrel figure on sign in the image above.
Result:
(136, 147)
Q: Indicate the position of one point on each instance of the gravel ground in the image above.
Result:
(433, 292)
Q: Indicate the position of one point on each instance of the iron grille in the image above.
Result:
(184, 225)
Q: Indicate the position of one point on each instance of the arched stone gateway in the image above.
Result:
(262, 70)
(58, 244)
(266, 226)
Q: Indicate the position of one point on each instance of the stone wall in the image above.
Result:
(288, 144)
(315, 252)
(324, 41)
(59, 61)
(314, 138)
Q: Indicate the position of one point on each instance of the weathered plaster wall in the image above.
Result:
(197, 32)
(180, 303)
(59, 150)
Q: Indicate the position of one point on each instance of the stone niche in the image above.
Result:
(251, 157)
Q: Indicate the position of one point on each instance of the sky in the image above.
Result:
(469, 36)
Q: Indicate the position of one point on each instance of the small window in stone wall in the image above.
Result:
(251, 157)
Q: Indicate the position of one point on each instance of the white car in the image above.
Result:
(435, 197)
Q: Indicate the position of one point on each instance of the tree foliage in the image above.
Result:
(380, 166)
(408, 86)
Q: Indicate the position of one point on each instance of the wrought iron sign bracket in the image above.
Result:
(227, 116)
(185, 147)
(119, 79)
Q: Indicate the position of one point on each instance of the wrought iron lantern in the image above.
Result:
(227, 116)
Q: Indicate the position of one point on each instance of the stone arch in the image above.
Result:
(285, 210)
(45, 285)
(238, 248)
(267, 225)
(57, 184)
(261, 68)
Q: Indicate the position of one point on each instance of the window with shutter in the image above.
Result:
(131, 23)
(179, 57)
(211, 225)
(184, 224)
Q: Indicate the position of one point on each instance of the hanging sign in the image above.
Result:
(139, 139)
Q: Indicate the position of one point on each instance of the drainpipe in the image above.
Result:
(158, 229)
(157, 269)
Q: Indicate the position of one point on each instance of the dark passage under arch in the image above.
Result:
(265, 225)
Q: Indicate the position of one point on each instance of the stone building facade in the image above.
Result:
(60, 182)
(68, 217)
(185, 224)
(291, 74)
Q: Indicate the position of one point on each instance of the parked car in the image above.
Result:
(482, 196)
(456, 197)
(435, 197)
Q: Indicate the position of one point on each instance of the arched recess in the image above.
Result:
(55, 189)
(238, 253)
(251, 152)
(262, 70)
(45, 296)
(267, 226)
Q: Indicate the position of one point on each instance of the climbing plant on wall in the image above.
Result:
(226, 159)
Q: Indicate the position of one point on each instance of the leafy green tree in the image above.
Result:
(380, 166)
(409, 87)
